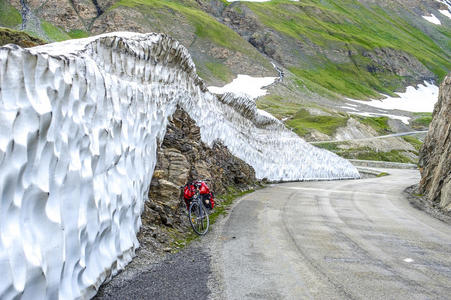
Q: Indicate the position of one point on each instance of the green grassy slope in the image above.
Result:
(184, 18)
(54, 33)
(351, 26)
(206, 27)
(9, 16)
(314, 30)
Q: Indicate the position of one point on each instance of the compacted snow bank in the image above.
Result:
(79, 126)
(419, 99)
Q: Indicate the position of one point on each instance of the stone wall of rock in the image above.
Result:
(181, 157)
(435, 155)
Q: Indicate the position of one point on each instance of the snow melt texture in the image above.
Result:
(79, 126)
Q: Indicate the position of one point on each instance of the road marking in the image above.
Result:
(408, 260)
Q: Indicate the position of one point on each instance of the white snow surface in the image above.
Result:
(419, 99)
(445, 12)
(348, 107)
(79, 125)
(433, 19)
(249, 86)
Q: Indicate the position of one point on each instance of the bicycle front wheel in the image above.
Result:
(198, 217)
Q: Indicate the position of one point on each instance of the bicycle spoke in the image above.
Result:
(198, 217)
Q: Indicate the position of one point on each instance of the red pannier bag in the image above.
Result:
(207, 196)
(203, 188)
(211, 200)
(188, 192)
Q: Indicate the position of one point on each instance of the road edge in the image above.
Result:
(422, 204)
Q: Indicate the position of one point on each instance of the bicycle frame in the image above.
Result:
(198, 213)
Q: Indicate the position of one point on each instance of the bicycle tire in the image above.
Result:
(198, 218)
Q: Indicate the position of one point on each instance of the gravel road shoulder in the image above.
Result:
(420, 202)
(181, 275)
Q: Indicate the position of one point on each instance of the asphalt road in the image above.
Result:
(357, 239)
(182, 275)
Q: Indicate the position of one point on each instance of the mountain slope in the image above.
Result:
(219, 52)
(354, 48)
(328, 50)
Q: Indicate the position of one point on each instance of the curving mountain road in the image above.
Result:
(357, 239)
(399, 134)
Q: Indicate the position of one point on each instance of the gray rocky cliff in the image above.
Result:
(435, 155)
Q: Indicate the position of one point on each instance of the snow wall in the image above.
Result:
(79, 126)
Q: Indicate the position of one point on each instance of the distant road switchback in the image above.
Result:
(372, 138)
(354, 239)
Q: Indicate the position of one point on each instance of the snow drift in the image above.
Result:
(80, 122)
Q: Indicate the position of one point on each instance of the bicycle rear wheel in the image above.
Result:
(198, 217)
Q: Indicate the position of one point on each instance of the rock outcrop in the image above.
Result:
(21, 38)
(397, 62)
(73, 14)
(182, 156)
(435, 155)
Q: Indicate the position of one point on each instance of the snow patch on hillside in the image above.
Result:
(419, 99)
(245, 84)
(433, 19)
(445, 12)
